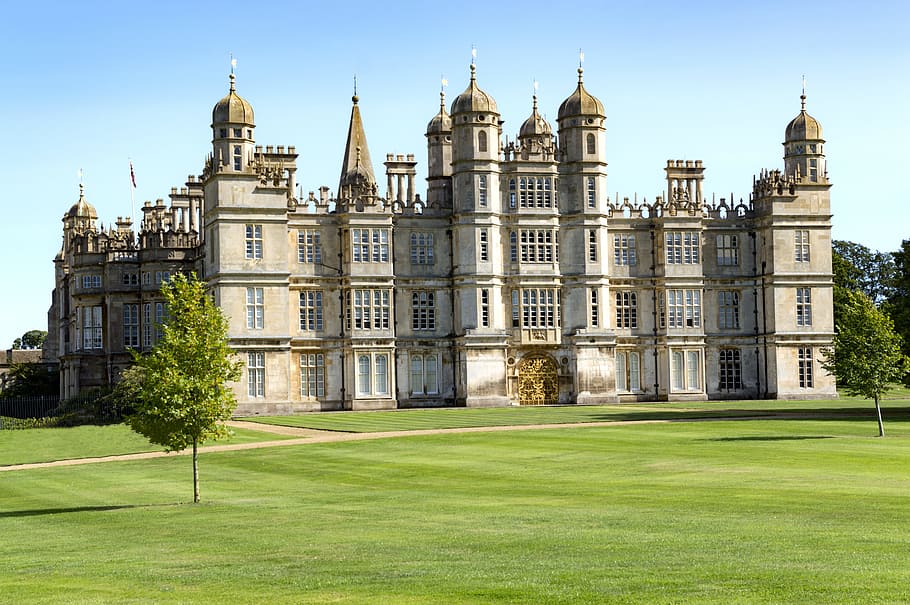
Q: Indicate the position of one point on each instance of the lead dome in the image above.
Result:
(803, 127)
(580, 102)
(233, 109)
(473, 98)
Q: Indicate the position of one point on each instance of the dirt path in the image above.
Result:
(305, 436)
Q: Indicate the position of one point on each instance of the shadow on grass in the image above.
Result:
(772, 438)
(59, 511)
(860, 414)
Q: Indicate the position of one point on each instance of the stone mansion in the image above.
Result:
(514, 280)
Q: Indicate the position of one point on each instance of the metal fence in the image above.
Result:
(37, 406)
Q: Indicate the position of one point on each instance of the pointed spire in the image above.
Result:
(357, 168)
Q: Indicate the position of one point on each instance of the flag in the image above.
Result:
(132, 174)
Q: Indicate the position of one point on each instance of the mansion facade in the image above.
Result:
(514, 280)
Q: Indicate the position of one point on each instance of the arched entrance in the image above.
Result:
(538, 381)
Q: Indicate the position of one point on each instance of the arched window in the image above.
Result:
(363, 371)
(592, 145)
(482, 141)
(382, 374)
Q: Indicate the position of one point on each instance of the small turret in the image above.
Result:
(439, 156)
(804, 158)
(232, 132)
(81, 215)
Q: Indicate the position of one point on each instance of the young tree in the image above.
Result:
(179, 391)
(866, 358)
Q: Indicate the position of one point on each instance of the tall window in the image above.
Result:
(311, 310)
(592, 193)
(539, 307)
(482, 141)
(804, 306)
(309, 247)
(92, 332)
(482, 190)
(805, 368)
(727, 250)
(592, 245)
(628, 371)
(728, 310)
(370, 245)
(368, 309)
(682, 247)
(254, 241)
(540, 246)
(373, 374)
(423, 310)
(813, 171)
(255, 308)
(424, 375)
(731, 370)
(685, 370)
(485, 308)
(513, 247)
(312, 375)
(484, 254)
(595, 308)
(624, 249)
(591, 144)
(422, 249)
(255, 370)
(683, 308)
(131, 326)
(512, 193)
(147, 325)
(237, 157)
(801, 243)
(626, 310)
(160, 316)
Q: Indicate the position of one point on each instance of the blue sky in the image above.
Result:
(89, 85)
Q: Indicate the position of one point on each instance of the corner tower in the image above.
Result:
(804, 157)
(439, 156)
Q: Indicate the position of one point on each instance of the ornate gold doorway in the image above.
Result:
(538, 381)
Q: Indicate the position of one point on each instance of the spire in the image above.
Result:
(357, 168)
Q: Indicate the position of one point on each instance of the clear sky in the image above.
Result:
(89, 85)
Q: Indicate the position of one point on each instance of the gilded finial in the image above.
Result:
(233, 65)
(355, 98)
(581, 61)
(802, 97)
(534, 97)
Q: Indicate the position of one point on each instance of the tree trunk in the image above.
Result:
(878, 413)
(196, 472)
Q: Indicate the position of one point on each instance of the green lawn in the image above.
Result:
(407, 420)
(771, 511)
(45, 445)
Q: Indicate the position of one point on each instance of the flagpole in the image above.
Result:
(132, 197)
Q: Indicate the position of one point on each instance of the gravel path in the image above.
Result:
(305, 436)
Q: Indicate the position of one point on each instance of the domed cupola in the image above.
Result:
(442, 121)
(803, 127)
(580, 102)
(804, 153)
(535, 125)
(232, 109)
(81, 215)
(473, 99)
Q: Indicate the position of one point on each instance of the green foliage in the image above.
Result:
(866, 357)
(33, 339)
(180, 389)
(856, 267)
(898, 303)
(31, 379)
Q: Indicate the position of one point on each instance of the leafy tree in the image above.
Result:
(866, 357)
(179, 391)
(870, 271)
(33, 339)
(29, 379)
(898, 303)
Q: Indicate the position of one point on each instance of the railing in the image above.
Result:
(13, 409)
